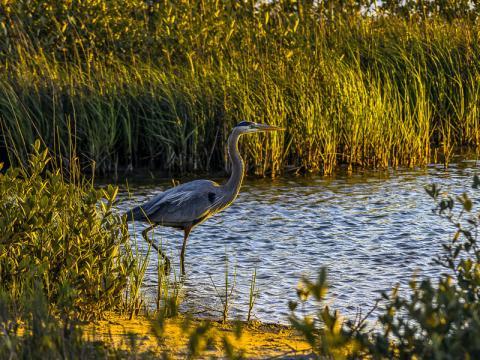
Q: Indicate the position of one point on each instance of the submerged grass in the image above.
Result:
(162, 83)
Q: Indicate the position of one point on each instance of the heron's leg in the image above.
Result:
(184, 246)
(160, 252)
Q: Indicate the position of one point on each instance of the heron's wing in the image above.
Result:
(184, 204)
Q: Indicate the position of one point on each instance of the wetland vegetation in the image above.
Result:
(161, 83)
(117, 85)
(67, 261)
(65, 256)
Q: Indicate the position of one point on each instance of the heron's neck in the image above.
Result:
(235, 182)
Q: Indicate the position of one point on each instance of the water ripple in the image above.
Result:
(371, 231)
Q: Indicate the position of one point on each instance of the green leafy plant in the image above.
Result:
(63, 235)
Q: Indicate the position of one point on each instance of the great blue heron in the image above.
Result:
(187, 205)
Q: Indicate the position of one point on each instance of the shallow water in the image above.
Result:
(371, 230)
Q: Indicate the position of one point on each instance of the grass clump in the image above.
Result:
(64, 236)
(438, 320)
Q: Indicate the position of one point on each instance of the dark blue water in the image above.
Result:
(370, 230)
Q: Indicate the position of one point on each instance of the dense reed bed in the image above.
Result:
(160, 84)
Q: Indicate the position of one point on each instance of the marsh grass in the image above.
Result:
(224, 293)
(253, 294)
(353, 90)
(134, 299)
(168, 296)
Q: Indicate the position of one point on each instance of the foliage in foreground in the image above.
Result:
(46, 271)
(161, 83)
(439, 320)
(65, 256)
(32, 332)
(64, 236)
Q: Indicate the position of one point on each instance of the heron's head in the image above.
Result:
(246, 127)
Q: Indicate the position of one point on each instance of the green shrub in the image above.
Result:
(64, 236)
(440, 319)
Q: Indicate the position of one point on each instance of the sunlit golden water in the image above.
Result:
(371, 230)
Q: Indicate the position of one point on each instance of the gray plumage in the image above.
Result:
(190, 204)
(173, 207)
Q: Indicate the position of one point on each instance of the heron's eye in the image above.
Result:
(244, 123)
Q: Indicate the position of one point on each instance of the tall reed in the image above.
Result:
(168, 80)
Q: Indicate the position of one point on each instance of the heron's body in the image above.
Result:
(190, 204)
(173, 207)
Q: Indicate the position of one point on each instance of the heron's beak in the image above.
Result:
(265, 127)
